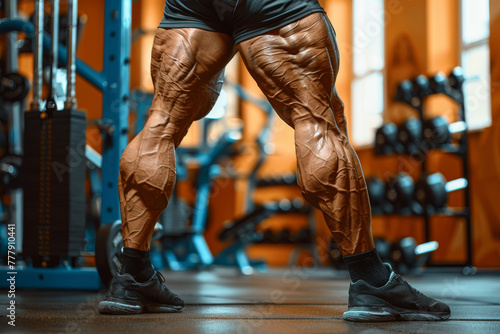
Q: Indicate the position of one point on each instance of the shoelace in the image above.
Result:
(409, 286)
(162, 279)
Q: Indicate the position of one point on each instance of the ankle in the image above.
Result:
(368, 267)
(137, 263)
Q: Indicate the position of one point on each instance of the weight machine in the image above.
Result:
(113, 82)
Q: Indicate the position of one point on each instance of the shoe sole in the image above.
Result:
(117, 308)
(362, 314)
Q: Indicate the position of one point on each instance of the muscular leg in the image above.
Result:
(296, 67)
(185, 67)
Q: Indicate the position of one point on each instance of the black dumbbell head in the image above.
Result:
(410, 133)
(399, 190)
(404, 92)
(386, 138)
(376, 191)
(431, 190)
(456, 78)
(438, 83)
(436, 131)
(421, 87)
(402, 253)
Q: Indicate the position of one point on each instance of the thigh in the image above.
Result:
(186, 68)
(296, 67)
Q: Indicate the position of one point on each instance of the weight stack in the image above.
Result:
(54, 185)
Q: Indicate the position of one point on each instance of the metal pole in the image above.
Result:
(11, 62)
(55, 42)
(71, 67)
(38, 56)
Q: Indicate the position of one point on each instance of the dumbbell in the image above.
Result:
(451, 86)
(386, 140)
(413, 92)
(376, 193)
(399, 192)
(421, 87)
(406, 255)
(456, 78)
(432, 191)
(404, 93)
(410, 135)
(437, 132)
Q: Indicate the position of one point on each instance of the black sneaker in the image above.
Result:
(395, 301)
(126, 296)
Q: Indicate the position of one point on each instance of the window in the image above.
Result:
(368, 75)
(476, 62)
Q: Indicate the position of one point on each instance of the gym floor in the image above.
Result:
(277, 301)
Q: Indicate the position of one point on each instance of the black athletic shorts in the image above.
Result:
(242, 19)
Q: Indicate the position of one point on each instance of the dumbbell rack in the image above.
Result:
(460, 150)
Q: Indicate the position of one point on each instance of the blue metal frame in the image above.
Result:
(115, 102)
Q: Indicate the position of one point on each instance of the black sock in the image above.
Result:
(138, 264)
(368, 267)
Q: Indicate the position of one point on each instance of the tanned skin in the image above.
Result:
(296, 67)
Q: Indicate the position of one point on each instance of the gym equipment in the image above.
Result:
(451, 86)
(404, 93)
(456, 79)
(54, 168)
(108, 251)
(399, 192)
(243, 227)
(25, 45)
(437, 132)
(413, 92)
(54, 209)
(410, 135)
(14, 87)
(421, 87)
(376, 193)
(244, 231)
(407, 256)
(386, 140)
(432, 191)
